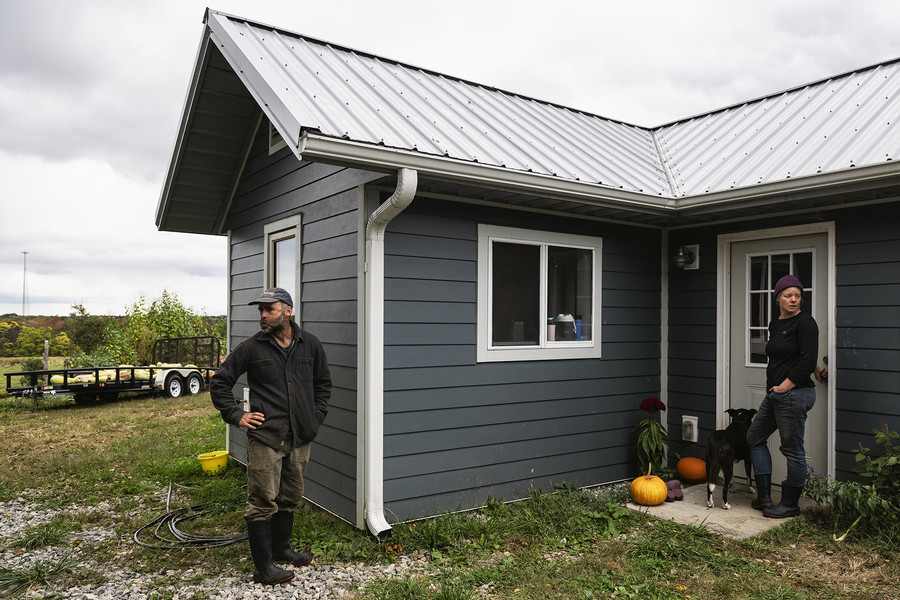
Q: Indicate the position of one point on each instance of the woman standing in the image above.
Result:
(792, 349)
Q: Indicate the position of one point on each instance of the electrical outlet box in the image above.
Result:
(690, 426)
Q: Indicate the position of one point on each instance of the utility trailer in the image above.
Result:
(174, 372)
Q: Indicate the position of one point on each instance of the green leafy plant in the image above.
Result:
(652, 439)
(847, 500)
(884, 470)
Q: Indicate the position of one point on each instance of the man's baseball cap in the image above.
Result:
(272, 295)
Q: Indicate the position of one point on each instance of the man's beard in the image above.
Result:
(274, 326)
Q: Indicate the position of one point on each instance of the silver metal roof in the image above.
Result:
(347, 94)
(336, 103)
(841, 123)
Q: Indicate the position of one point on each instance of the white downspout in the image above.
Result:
(407, 180)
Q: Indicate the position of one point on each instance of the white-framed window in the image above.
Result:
(276, 142)
(282, 257)
(538, 295)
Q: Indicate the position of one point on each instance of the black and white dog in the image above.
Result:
(726, 447)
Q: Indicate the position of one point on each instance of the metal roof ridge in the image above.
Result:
(664, 165)
(768, 96)
(343, 48)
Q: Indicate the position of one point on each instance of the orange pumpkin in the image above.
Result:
(648, 490)
(691, 470)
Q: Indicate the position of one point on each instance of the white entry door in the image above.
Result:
(755, 267)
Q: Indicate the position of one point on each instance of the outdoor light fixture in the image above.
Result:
(687, 258)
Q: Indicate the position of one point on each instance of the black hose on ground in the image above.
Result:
(179, 539)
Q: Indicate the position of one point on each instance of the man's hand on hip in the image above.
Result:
(252, 420)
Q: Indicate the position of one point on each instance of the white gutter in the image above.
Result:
(379, 158)
(407, 180)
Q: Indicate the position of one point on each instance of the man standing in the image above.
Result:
(290, 386)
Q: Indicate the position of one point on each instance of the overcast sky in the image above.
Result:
(91, 94)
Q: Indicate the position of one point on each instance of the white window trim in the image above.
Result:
(546, 350)
(290, 226)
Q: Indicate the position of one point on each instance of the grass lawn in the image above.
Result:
(120, 458)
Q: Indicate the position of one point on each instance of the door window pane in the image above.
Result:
(803, 270)
(759, 313)
(758, 341)
(781, 266)
(515, 293)
(759, 273)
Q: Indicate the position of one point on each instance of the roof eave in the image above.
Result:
(855, 178)
(323, 148)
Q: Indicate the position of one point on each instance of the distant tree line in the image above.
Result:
(95, 341)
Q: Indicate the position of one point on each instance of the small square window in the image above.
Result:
(276, 142)
(538, 294)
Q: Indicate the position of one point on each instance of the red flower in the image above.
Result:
(652, 404)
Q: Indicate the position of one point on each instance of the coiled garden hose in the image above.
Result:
(179, 539)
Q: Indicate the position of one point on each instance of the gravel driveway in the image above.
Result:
(121, 583)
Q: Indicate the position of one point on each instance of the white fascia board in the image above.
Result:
(379, 158)
(865, 177)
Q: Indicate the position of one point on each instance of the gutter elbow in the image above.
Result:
(407, 182)
(377, 524)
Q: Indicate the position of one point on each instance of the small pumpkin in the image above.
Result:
(692, 470)
(648, 490)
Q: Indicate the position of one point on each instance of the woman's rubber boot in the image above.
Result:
(788, 507)
(282, 528)
(259, 534)
(763, 498)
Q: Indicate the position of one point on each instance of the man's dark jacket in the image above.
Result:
(291, 388)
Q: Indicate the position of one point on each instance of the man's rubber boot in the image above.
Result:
(282, 528)
(259, 534)
(763, 498)
(788, 507)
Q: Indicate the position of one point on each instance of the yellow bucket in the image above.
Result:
(213, 462)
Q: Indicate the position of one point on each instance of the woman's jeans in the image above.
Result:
(786, 413)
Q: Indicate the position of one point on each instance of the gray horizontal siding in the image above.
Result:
(457, 431)
(272, 188)
(692, 345)
(868, 328)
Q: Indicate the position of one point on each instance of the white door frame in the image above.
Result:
(723, 317)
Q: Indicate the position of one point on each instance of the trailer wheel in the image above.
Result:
(107, 396)
(174, 385)
(85, 398)
(194, 384)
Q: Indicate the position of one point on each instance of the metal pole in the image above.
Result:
(24, 284)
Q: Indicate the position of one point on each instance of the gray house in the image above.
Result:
(493, 275)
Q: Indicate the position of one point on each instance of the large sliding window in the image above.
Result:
(538, 295)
